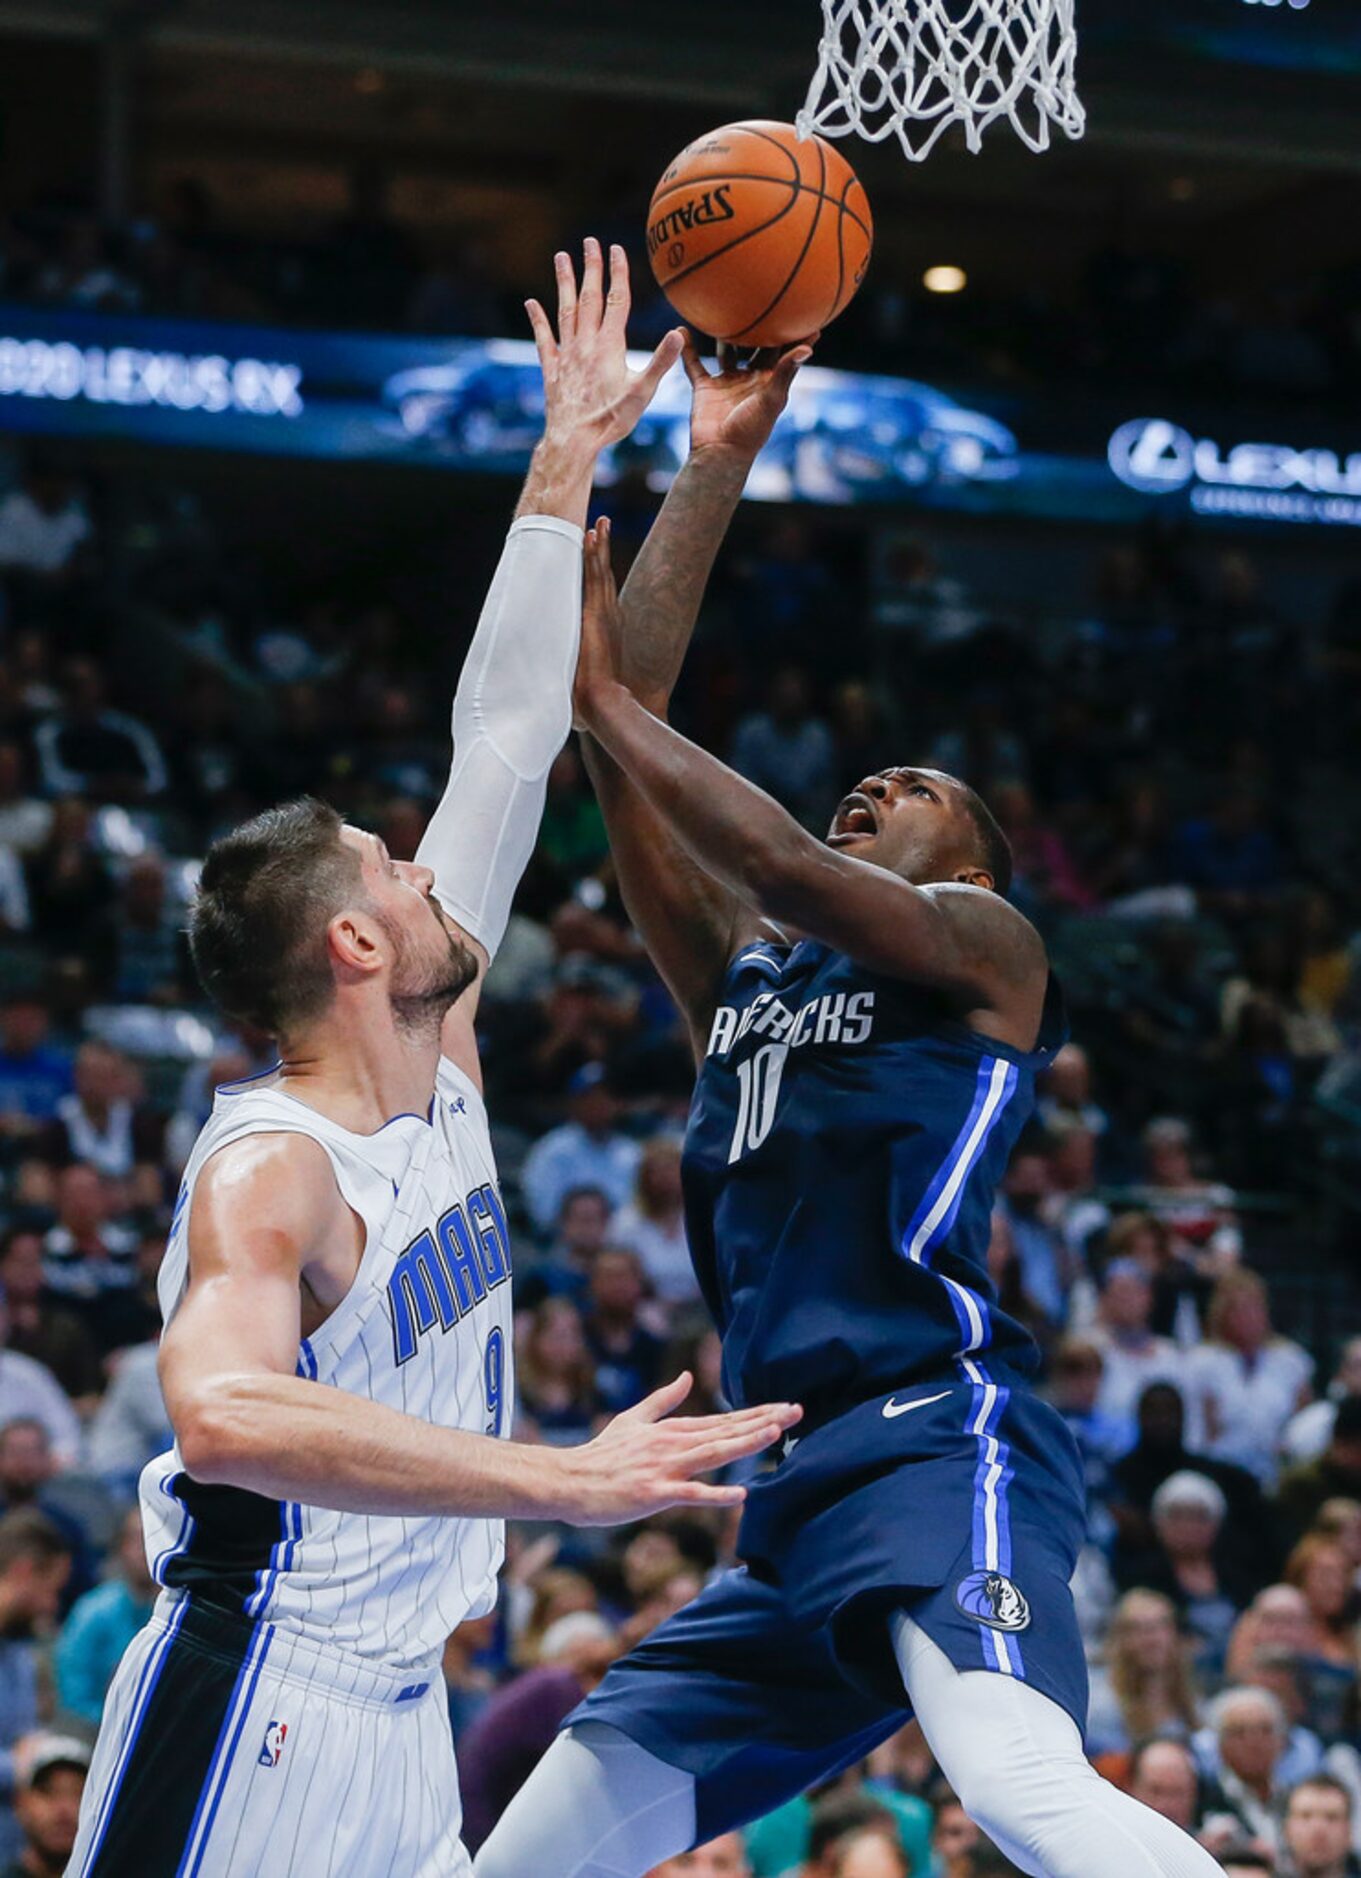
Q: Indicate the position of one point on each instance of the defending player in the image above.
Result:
(337, 1353)
(869, 1015)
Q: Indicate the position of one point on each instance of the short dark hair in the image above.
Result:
(1324, 1783)
(28, 1534)
(995, 850)
(841, 1814)
(265, 896)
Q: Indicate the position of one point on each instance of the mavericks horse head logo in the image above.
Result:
(991, 1599)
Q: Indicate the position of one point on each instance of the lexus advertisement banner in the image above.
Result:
(477, 405)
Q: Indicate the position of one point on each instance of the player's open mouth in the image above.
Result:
(853, 820)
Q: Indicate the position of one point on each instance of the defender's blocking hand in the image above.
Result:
(590, 393)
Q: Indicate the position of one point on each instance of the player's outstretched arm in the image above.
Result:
(266, 1212)
(512, 710)
(956, 937)
(689, 920)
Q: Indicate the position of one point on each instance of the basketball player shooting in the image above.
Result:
(869, 1015)
(336, 1289)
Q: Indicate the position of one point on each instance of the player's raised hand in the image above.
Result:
(644, 1462)
(590, 392)
(598, 659)
(737, 407)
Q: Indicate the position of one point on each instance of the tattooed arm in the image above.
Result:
(690, 922)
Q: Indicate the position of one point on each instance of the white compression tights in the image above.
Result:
(599, 1806)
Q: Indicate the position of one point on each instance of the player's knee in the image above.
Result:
(1020, 1798)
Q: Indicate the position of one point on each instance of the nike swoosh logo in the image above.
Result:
(893, 1409)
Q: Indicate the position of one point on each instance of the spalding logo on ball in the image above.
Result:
(758, 237)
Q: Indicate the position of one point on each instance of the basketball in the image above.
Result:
(757, 236)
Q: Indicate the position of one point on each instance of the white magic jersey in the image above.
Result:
(425, 1328)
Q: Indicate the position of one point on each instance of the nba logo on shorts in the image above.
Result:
(993, 1600)
(271, 1751)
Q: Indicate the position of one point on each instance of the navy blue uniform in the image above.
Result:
(845, 1143)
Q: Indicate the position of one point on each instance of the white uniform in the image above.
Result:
(284, 1711)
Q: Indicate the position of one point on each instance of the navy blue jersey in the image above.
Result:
(845, 1143)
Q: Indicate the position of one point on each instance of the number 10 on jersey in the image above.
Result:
(758, 1091)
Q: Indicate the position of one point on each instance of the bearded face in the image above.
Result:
(433, 967)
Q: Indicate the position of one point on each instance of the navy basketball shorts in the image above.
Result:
(239, 1750)
(959, 1501)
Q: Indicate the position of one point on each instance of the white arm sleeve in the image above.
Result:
(512, 713)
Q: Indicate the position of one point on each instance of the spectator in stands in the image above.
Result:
(130, 1426)
(627, 1356)
(1078, 1213)
(30, 1392)
(34, 1564)
(50, 1772)
(954, 1837)
(555, 1378)
(1320, 1569)
(31, 1477)
(1247, 1380)
(837, 1821)
(1277, 1619)
(788, 751)
(1307, 1487)
(40, 1328)
(88, 1255)
(35, 1073)
(1317, 1834)
(1133, 1356)
(1198, 1213)
(1145, 1686)
(99, 1124)
(43, 526)
(25, 819)
(1076, 1370)
(1307, 1434)
(1250, 1739)
(870, 1854)
(1181, 1292)
(1027, 1202)
(89, 749)
(1231, 857)
(587, 1150)
(1066, 1092)
(149, 953)
(1163, 1775)
(1269, 983)
(69, 886)
(583, 1229)
(1160, 1452)
(720, 1858)
(1047, 875)
(102, 1624)
(1189, 1564)
(652, 1223)
(1244, 1862)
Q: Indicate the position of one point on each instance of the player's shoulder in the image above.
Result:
(285, 1176)
(980, 917)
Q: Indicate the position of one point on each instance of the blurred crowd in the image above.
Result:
(1169, 803)
(1133, 315)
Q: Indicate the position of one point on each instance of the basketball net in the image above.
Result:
(912, 68)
